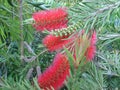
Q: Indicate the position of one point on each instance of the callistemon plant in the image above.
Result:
(50, 19)
(54, 77)
(82, 46)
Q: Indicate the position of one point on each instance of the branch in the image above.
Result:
(29, 73)
(26, 59)
(38, 70)
(21, 28)
(29, 48)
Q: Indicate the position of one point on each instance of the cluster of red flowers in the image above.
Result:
(56, 74)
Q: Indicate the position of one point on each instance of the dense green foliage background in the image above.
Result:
(102, 15)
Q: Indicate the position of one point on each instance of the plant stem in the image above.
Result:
(21, 28)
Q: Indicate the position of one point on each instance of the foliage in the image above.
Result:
(100, 15)
(18, 85)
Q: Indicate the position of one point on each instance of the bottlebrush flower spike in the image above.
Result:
(93, 38)
(50, 19)
(90, 53)
(54, 43)
(56, 74)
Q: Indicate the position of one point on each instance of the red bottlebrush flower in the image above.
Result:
(56, 74)
(50, 19)
(90, 53)
(54, 43)
(93, 38)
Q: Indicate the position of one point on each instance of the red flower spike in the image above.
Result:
(50, 19)
(56, 74)
(93, 38)
(54, 43)
(90, 53)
